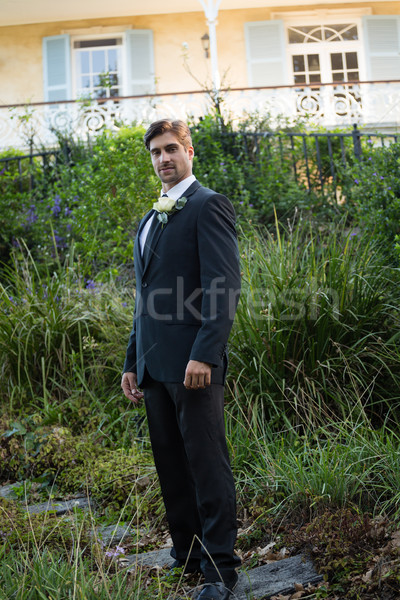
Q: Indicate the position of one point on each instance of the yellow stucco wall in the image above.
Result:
(21, 71)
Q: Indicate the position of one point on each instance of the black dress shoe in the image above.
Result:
(189, 566)
(216, 591)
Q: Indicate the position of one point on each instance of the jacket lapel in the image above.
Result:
(137, 253)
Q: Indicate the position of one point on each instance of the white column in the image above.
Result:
(211, 12)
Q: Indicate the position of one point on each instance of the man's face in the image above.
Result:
(171, 161)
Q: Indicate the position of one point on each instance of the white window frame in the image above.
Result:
(325, 17)
(92, 36)
(325, 48)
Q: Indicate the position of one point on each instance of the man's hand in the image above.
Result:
(129, 387)
(197, 375)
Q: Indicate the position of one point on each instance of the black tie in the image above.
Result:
(153, 229)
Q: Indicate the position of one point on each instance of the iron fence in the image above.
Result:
(24, 169)
(315, 157)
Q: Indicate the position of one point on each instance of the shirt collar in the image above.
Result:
(180, 188)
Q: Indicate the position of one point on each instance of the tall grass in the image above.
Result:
(62, 343)
(336, 465)
(315, 336)
(85, 569)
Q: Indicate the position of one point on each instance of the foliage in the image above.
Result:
(53, 575)
(52, 456)
(338, 464)
(254, 171)
(313, 336)
(16, 198)
(44, 556)
(372, 192)
(93, 196)
(18, 527)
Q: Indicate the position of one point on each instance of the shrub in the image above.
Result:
(255, 172)
(92, 196)
(372, 193)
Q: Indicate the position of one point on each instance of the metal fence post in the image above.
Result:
(356, 142)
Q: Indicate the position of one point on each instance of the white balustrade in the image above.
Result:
(375, 105)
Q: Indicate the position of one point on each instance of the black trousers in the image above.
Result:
(187, 433)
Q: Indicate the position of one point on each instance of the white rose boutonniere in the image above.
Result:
(166, 206)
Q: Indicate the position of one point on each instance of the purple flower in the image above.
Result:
(115, 553)
(124, 304)
(382, 177)
(67, 211)
(31, 216)
(374, 174)
(90, 284)
(2, 171)
(56, 209)
(59, 240)
(356, 181)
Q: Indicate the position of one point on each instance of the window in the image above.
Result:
(324, 53)
(105, 66)
(98, 68)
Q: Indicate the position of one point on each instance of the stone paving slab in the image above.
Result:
(259, 583)
(7, 491)
(155, 558)
(60, 508)
(279, 577)
(113, 534)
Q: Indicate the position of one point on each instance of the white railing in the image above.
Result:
(375, 105)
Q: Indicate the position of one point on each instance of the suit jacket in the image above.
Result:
(187, 291)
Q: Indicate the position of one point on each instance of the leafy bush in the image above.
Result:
(372, 193)
(91, 196)
(254, 171)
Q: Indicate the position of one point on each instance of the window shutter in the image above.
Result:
(57, 68)
(140, 62)
(266, 53)
(382, 47)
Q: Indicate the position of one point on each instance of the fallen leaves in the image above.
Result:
(300, 592)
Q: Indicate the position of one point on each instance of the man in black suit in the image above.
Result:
(187, 289)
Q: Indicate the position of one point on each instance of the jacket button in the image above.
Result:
(144, 284)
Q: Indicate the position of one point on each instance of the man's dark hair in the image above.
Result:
(178, 128)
